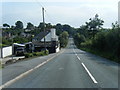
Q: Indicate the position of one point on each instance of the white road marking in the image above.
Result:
(91, 76)
(74, 52)
(78, 58)
(89, 73)
(27, 72)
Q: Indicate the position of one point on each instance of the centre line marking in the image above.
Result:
(89, 73)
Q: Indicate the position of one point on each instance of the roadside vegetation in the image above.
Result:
(1, 65)
(42, 53)
(100, 41)
(63, 39)
(19, 34)
(91, 36)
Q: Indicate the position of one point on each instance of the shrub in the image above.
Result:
(42, 53)
(27, 55)
(87, 43)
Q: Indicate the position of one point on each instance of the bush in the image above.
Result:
(106, 44)
(63, 39)
(42, 53)
(27, 55)
(47, 52)
(87, 43)
(99, 42)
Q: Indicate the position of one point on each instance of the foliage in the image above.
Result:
(30, 26)
(6, 25)
(19, 25)
(6, 42)
(103, 42)
(91, 28)
(27, 55)
(79, 38)
(61, 28)
(42, 53)
(107, 43)
(19, 39)
(63, 39)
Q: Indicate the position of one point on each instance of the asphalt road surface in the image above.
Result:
(73, 68)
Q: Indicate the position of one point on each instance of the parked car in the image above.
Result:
(20, 51)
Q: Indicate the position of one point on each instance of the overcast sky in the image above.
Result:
(72, 12)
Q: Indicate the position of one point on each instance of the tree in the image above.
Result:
(30, 26)
(94, 24)
(83, 30)
(115, 25)
(6, 25)
(48, 26)
(63, 39)
(19, 25)
(79, 38)
(58, 28)
(68, 28)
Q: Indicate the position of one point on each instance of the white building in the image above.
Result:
(51, 39)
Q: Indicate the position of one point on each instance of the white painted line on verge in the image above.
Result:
(27, 72)
(74, 51)
(78, 58)
(86, 69)
(89, 73)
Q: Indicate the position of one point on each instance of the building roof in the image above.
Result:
(41, 35)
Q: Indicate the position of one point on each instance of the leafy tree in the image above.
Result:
(6, 25)
(40, 26)
(63, 39)
(48, 26)
(30, 26)
(83, 30)
(94, 25)
(68, 28)
(79, 38)
(19, 39)
(19, 25)
(115, 25)
(59, 28)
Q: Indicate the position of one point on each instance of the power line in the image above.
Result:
(39, 3)
(49, 17)
(43, 6)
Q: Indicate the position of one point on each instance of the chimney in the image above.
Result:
(53, 34)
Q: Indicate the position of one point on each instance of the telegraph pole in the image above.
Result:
(44, 28)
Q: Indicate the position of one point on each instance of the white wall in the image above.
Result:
(57, 49)
(6, 51)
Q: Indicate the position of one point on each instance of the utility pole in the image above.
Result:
(44, 28)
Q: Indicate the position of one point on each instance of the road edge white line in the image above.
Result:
(27, 72)
(91, 76)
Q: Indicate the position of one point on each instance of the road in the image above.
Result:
(72, 68)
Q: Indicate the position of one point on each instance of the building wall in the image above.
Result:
(57, 49)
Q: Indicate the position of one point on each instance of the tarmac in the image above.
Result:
(11, 59)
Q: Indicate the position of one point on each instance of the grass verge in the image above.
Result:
(107, 55)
